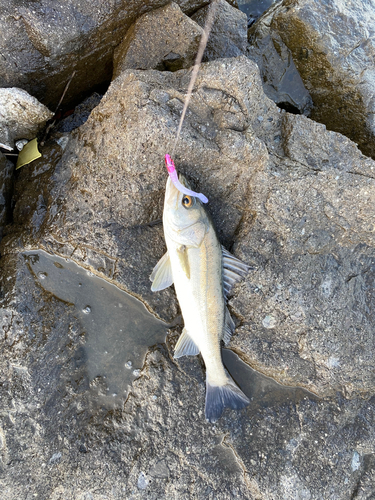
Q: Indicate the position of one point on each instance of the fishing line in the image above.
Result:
(202, 45)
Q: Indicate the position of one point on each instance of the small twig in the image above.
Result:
(65, 90)
(52, 124)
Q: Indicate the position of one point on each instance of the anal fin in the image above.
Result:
(185, 346)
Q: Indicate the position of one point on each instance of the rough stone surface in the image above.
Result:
(6, 181)
(175, 39)
(332, 44)
(80, 115)
(228, 37)
(290, 199)
(311, 239)
(281, 81)
(42, 43)
(254, 8)
(21, 116)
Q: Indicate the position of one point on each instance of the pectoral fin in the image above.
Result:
(161, 275)
(233, 271)
(185, 346)
(184, 260)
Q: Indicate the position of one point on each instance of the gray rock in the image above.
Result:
(6, 181)
(80, 115)
(332, 45)
(160, 446)
(254, 8)
(228, 37)
(281, 191)
(320, 260)
(175, 40)
(21, 116)
(281, 80)
(42, 43)
(320, 246)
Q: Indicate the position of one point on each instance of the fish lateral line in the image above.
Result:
(169, 163)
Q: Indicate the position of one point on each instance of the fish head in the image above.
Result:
(184, 218)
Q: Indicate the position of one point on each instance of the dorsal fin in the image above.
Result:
(233, 270)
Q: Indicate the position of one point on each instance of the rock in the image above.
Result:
(6, 181)
(159, 445)
(314, 254)
(281, 191)
(332, 45)
(293, 301)
(175, 40)
(281, 80)
(80, 115)
(43, 42)
(21, 116)
(32, 192)
(254, 8)
(138, 159)
(228, 37)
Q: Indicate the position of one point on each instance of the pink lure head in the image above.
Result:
(174, 178)
(169, 164)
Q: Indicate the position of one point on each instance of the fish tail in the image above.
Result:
(219, 397)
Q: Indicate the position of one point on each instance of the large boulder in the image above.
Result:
(42, 43)
(281, 191)
(332, 44)
(310, 235)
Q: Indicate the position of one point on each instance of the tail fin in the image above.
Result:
(219, 397)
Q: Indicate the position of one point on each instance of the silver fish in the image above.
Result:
(203, 273)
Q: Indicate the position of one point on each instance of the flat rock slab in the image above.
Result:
(311, 240)
(157, 444)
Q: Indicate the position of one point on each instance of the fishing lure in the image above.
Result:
(174, 178)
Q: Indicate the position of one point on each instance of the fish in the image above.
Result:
(203, 273)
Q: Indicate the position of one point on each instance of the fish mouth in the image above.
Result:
(172, 195)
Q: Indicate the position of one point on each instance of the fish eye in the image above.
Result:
(187, 201)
